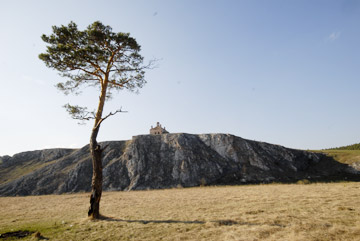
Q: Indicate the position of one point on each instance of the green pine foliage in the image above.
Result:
(349, 147)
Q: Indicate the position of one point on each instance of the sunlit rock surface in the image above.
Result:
(166, 161)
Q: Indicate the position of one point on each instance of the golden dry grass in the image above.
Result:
(343, 156)
(254, 212)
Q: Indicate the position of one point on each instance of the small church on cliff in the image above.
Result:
(158, 130)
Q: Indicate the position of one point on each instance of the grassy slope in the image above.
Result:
(14, 172)
(11, 173)
(253, 212)
(343, 156)
(346, 154)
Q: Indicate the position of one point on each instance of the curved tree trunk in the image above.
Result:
(96, 156)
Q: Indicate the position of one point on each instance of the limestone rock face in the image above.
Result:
(166, 161)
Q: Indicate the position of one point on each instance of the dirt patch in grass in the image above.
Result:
(16, 234)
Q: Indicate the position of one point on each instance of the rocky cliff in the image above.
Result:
(166, 161)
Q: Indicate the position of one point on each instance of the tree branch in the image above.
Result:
(121, 85)
(150, 65)
(107, 116)
(79, 113)
(72, 67)
(110, 62)
(97, 67)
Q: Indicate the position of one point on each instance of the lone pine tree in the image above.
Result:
(99, 58)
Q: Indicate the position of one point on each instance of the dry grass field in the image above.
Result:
(252, 212)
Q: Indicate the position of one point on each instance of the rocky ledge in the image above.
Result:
(166, 161)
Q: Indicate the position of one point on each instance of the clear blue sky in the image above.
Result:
(283, 72)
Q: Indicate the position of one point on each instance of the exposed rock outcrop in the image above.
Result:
(166, 161)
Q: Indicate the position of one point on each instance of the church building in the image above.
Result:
(158, 130)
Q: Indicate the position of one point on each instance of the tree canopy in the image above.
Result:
(94, 57)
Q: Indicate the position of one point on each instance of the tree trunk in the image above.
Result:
(96, 151)
(96, 183)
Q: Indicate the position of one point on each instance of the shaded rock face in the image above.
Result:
(166, 161)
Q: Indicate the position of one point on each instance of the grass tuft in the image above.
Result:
(303, 181)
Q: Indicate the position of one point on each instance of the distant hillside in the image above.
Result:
(349, 157)
(167, 161)
(349, 147)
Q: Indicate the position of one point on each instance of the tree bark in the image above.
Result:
(96, 156)
(96, 183)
